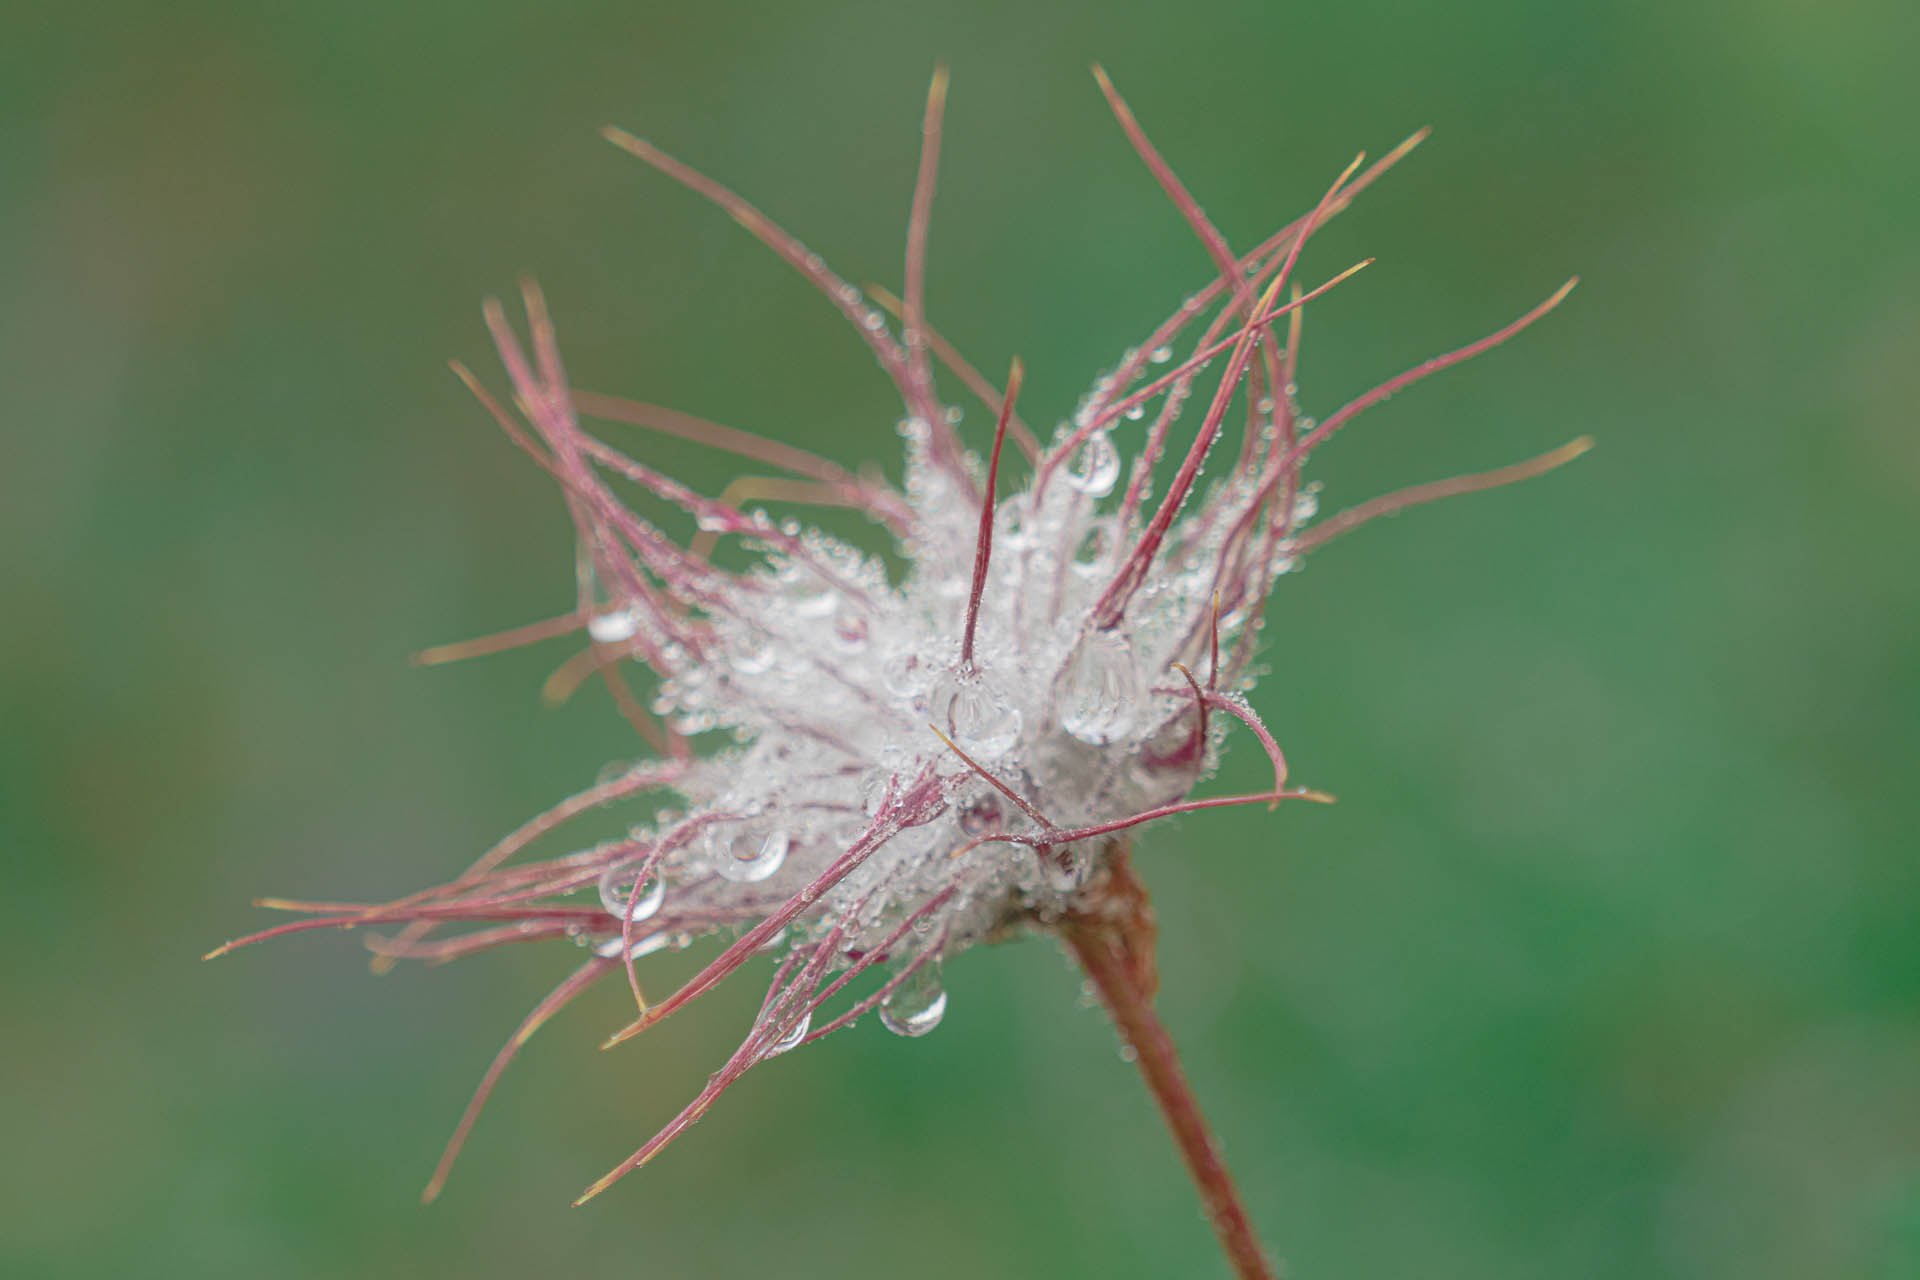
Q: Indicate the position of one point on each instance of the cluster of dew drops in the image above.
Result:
(1096, 697)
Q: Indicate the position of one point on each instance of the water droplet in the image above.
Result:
(794, 1035)
(747, 853)
(790, 526)
(1160, 355)
(609, 948)
(874, 321)
(1012, 531)
(954, 415)
(612, 772)
(616, 891)
(849, 627)
(816, 603)
(693, 722)
(916, 1006)
(614, 626)
(1099, 689)
(1096, 548)
(904, 675)
(1136, 412)
(873, 789)
(972, 710)
(982, 813)
(756, 658)
(1095, 467)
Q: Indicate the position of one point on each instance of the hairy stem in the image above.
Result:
(1115, 947)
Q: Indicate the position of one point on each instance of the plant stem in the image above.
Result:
(1117, 956)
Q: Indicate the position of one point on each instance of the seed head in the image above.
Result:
(911, 764)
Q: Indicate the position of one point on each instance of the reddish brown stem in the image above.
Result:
(1117, 955)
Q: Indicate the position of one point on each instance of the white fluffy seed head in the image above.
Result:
(834, 680)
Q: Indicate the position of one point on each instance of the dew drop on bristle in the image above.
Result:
(747, 854)
(1160, 355)
(1095, 467)
(972, 711)
(614, 626)
(612, 772)
(916, 1006)
(1099, 689)
(981, 814)
(616, 888)
(873, 790)
(816, 604)
(794, 1035)
(609, 949)
(905, 675)
(756, 658)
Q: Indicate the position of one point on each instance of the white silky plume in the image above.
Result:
(834, 678)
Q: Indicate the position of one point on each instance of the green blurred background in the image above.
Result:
(1605, 965)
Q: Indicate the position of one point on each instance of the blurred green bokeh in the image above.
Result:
(1606, 964)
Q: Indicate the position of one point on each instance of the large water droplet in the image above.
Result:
(794, 1035)
(916, 1006)
(747, 853)
(754, 658)
(1100, 689)
(905, 674)
(817, 603)
(982, 813)
(1095, 467)
(616, 891)
(970, 709)
(614, 626)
